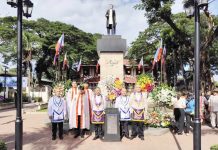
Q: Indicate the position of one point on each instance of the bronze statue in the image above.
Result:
(111, 20)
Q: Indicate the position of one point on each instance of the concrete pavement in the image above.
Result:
(37, 136)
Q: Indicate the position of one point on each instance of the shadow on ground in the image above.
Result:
(41, 140)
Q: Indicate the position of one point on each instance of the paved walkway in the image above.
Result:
(37, 136)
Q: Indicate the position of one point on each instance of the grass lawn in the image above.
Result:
(43, 110)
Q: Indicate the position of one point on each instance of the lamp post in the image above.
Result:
(189, 6)
(20, 11)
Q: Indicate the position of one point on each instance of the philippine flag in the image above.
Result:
(59, 44)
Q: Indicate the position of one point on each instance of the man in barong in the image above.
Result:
(122, 103)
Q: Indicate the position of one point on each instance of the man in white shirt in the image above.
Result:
(213, 108)
(57, 111)
(122, 103)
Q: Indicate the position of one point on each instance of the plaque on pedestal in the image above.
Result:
(112, 125)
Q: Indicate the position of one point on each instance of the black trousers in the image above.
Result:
(137, 129)
(189, 118)
(179, 114)
(79, 131)
(124, 128)
(99, 130)
(60, 129)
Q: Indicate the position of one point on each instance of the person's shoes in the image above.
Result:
(101, 137)
(53, 138)
(132, 137)
(127, 136)
(142, 138)
(187, 134)
(61, 138)
(180, 133)
(75, 136)
(95, 138)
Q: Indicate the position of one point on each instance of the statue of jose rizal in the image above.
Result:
(111, 20)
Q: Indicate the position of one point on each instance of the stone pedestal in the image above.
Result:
(112, 125)
(111, 49)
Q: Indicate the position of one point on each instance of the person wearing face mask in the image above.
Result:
(122, 103)
(138, 105)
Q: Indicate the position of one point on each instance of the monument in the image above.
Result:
(111, 49)
(111, 20)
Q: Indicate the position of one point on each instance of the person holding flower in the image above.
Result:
(138, 105)
(122, 103)
(98, 114)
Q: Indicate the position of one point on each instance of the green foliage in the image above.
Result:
(214, 147)
(38, 99)
(177, 32)
(39, 40)
(3, 145)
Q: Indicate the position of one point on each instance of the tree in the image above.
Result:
(39, 40)
(177, 33)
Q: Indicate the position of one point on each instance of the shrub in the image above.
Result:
(214, 147)
(38, 99)
(3, 146)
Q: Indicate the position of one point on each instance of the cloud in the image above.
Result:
(89, 15)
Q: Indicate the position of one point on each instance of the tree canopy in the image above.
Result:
(39, 40)
(177, 32)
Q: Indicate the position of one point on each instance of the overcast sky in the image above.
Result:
(89, 15)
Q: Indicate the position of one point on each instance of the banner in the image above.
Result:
(12, 82)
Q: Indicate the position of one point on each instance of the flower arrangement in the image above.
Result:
(158, 119)
(163, 95)
(113, 87)
(146, 82)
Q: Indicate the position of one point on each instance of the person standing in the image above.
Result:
(89, 94)
(213, 108)
(122, 103)
(57, 111)
(98, 114)
(71, 98)
(82, 116)
(138, 105)
(189, 113)
(179, 112)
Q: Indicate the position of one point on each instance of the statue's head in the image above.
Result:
(111, 6)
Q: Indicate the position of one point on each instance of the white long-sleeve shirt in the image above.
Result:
(57, 109)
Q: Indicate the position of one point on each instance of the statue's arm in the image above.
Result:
(107, 14)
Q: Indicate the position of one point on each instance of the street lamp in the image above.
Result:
(27, 13)
(196, 5)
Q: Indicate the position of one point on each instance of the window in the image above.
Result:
(86, 71)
